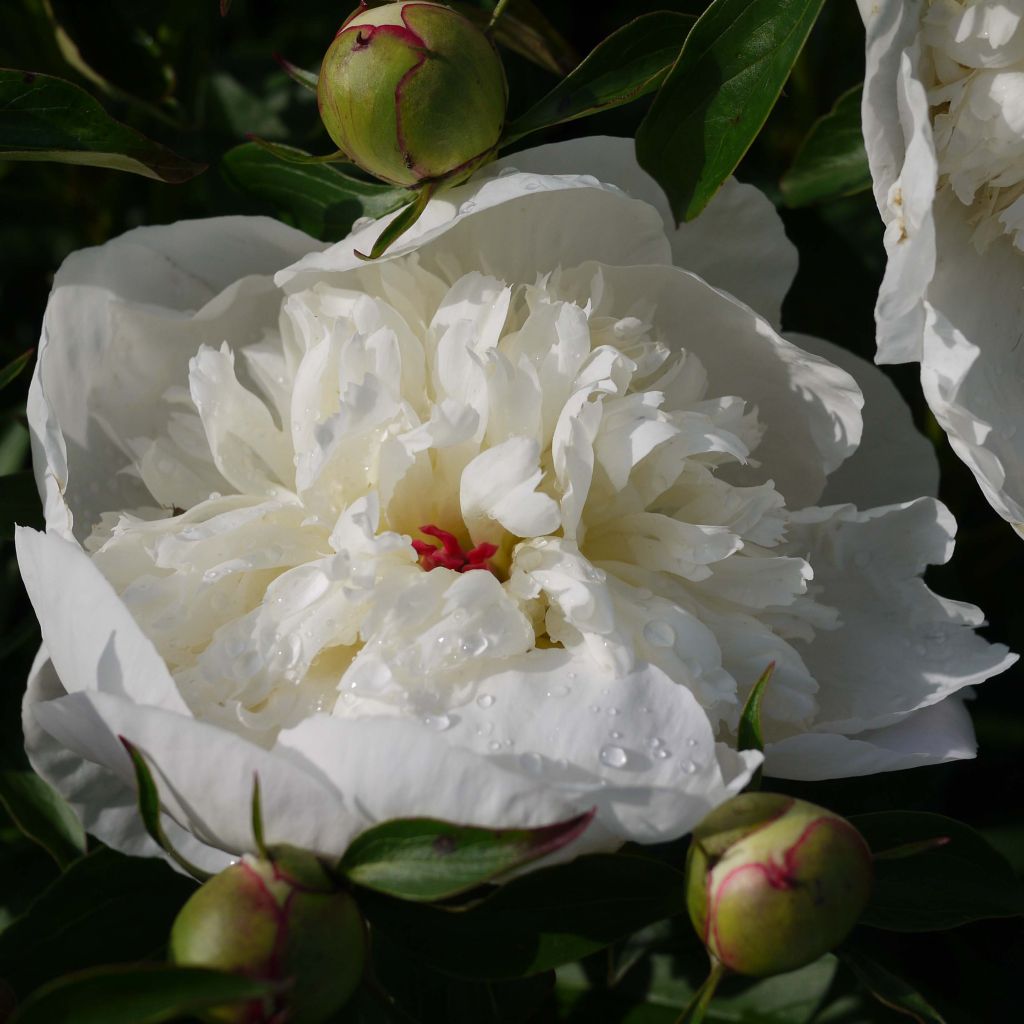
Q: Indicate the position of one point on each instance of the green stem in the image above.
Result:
(499, 10)
(694, 1013)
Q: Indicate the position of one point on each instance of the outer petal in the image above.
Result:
(120, 327)
(894, 461)
(510, 226)
(297, 808)
(737, 244)
(636, 744)
(548, 737)
(898, 647)
(104, 801)
(897, 132)
(933, 735)
(92, 639)
(972, 366)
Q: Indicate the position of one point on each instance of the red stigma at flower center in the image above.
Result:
(450, 554)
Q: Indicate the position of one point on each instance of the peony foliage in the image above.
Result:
(461, 563)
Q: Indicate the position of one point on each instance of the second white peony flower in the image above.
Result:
(497, 529)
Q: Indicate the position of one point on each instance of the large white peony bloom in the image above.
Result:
(497, 529)
(944, 125)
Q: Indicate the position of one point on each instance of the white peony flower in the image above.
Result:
(496, 529)
(944, 125)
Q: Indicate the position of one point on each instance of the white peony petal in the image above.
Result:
(116, 335)
(396, 768)
(637, 745)
(894, 461)
(898, 647)
(499, 488)
(92, 639)
(297, 808)
(933, 735)
(810, 408)
(510, 226)
(737, 244)
(104, 801)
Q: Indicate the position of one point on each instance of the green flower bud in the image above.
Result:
(413, 92)
(281, 920)
(773, 883)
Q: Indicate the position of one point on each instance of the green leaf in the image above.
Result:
(832, 161)
(15, 367)
(42, 815)
(46, 118)
(398, 225)
(627, 65)
(959, 881)
(19, 503)
(307, 79)
(890, 990)
(659, 987)
(149, 810)
(294, 155)
(105, 908)
(319, 199)
(136, 995)
(524, 29)
(536, 922)
(718, 95)
(424, 859)
(750, 736)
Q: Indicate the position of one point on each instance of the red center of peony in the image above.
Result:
(450, 554)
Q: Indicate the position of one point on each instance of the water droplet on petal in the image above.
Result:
(662, 753)
(532, 763)
(613, 712)
(437, 722)
(559, 691)
(614, 757)
(659, 634)
(615, 734)
(485, 700)
(691, 742)
(494, 745)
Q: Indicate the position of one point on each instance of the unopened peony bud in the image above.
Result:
(413, 92)
(285, 921)
(773, 883)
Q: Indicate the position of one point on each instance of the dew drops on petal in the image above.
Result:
(485, 700)
(437, 722)
(614, 757)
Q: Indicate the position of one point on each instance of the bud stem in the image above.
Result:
(694, 1013)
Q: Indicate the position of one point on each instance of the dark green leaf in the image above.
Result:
(293, 155)
(149, 810)
(890, 990)
(525, 30)
(46, 118)
(534, 923)
(832, 161)
(660, 987)
(424, 859)
(307, 79)
(14, 368)
(750, 736)
(627, 65)
(398, 225)
(719, 93)
(319, 199)
(948, 885)
(105, 908)
(19, 503)
(42, 815)
(136, 995)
